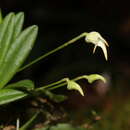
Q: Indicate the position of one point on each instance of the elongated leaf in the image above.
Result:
(17, 53)
(61, 126)
(22, 85)
(10, 95)
(6, 33)
(19, 19)
(1, 19)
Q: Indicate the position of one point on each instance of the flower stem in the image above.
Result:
(65, 83)
(53, 51)
(57, 84)
(52, 84)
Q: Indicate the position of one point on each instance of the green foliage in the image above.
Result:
(10, 95)
(19, 20)
(17, 54)
(7, 28)
(27, 85)
(61, 126)
(1, 19)
(15, 46)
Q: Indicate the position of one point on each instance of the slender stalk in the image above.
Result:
(17, 124)
(57, 84)
(52, 84)
(53, 51)
(29, 123)
(63, 84)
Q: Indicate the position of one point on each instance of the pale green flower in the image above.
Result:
(72, 85)
(97, 40)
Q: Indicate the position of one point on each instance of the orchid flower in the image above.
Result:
(97, 40)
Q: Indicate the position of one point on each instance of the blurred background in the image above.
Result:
(60, 21)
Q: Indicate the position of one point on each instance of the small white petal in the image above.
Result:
(104, 41)
(103, 46)
(94, 49)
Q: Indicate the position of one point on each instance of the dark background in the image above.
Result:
(62, 20)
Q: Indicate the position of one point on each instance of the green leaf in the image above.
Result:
(10, 95)
(61, 126)
(17, 53)
(44, 128)
(64, 126)
(55, 97)
(23, 85)
(19, 19)
(72, 85)
(6, 33)
(91, 78)
(1, 19)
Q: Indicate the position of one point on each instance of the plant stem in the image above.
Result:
(52, 84)
(53, 51)
(29, 123)
(17, 124)
(63, 84)
(57, 84)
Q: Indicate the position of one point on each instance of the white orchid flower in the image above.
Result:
(97, 40)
